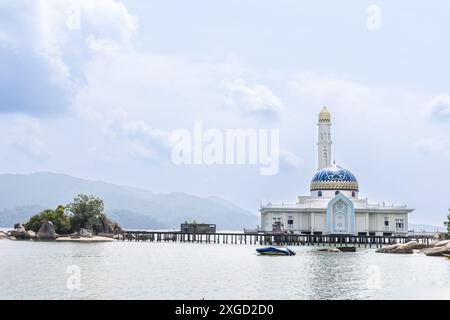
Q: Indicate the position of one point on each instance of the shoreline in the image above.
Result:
(84, 239)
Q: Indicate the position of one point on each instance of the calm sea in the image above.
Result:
(131, 270)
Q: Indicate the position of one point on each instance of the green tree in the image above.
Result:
(59, 218)
(87, 212)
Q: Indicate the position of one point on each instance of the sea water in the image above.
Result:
(153, 270)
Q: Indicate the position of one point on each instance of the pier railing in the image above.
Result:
(272, 238)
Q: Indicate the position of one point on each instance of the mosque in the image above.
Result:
(333, 207)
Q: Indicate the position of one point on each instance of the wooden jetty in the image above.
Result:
(272, 238)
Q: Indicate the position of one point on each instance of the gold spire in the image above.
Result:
(324, 115)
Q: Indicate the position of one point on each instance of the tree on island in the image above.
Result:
(87, 212)
(58, 216)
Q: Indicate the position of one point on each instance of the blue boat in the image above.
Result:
(275, 251)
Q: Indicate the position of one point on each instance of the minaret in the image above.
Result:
(324, 139)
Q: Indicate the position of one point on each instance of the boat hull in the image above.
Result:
(274, 251)
(347, 249)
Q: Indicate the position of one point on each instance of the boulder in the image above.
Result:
(30, 235)
(109, 228)
(47, 231)
(387, 249)
(441, 243)
(333, 249)
(3, 235)
(85, 233)
(396, 248)
(18, 232)
(439, 236)
(75, 235)
(437, 251)
(19, 226)
(433, 243)
(416, 246)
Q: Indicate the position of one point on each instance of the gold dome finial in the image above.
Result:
(324, 115)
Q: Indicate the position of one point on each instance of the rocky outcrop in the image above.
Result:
(438, 250)
(405, 248)
(47, 231)
(85, 233)
(19, 226)
(396, 248)
(416, 246)
(333, 249)
(439, 236)
(30, 235)
(74, 235)
(441, 243)
(437, 243)
(3, 235)
(109, 228)
(19, 231)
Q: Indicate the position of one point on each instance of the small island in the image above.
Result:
(82, 220)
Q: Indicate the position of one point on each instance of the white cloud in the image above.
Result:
(71, 23)
(438, 140)
(348, 96)
(430, 145)
(439, 107)
(25, 135)
(45, 41)
(7, 41)
(289, 161)
(162, 92)
(62, 27)
(252, 99)
(144, 140)
(337, 89)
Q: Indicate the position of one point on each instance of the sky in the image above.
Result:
(95, 88)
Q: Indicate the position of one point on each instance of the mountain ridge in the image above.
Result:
(132, 207)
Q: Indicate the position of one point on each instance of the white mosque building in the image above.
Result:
(333, 207)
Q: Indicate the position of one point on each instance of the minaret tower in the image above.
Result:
(324, 139)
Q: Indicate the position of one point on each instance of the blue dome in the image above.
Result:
(334, 178)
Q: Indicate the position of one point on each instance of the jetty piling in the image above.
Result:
(272, 238)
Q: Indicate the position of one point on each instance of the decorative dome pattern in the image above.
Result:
(324, 115)
(334, 178)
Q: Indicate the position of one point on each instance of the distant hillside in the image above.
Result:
(23, 195)
(8, 217)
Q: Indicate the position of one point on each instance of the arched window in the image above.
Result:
(320, 193)
(353, 194)
(337, 192)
